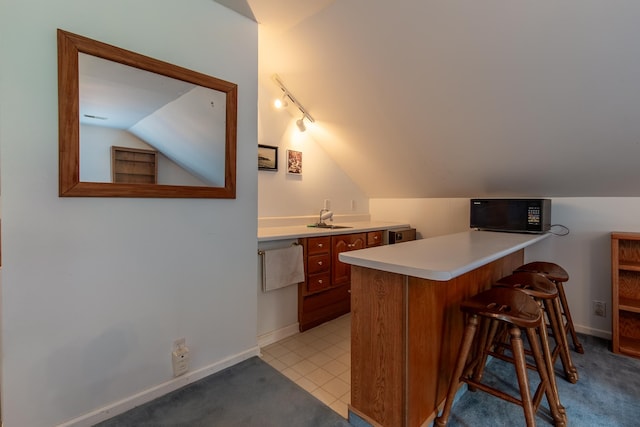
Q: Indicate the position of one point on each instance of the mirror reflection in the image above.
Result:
(124, 106)
(134, 126)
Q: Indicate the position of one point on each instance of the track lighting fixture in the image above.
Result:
(288, 95)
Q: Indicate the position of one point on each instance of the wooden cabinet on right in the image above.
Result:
(341, 272)
(625, 286)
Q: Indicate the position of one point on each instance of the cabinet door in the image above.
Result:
(358, 241)
(341, 272)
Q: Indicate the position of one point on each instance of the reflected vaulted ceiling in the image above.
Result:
(416, 98)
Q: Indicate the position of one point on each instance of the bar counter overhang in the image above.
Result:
(406, 323)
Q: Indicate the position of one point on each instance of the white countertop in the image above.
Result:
(442, 258)
(297, 231)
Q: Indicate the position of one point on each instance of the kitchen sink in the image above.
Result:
(328, 226)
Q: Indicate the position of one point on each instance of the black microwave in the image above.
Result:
(514, 215)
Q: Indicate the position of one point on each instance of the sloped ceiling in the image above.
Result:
(460, 98)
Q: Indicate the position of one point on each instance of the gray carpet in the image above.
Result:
(607, 393)
(248, 394)
(252, 393)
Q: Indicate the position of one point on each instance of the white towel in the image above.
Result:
(282, 267)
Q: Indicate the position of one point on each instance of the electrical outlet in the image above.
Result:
(600, 308)
(180, 357)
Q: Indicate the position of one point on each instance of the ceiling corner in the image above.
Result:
(240, 6)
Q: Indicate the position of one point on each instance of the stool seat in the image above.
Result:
(533, 284)
(516, 311)
(511, 307)
(558, 276)
(550, 270)
(543, 290)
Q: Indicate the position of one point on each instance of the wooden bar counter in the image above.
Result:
(406, 324)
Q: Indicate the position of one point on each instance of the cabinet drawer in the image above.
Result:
(318, 282)
(318, 245)
(318, 263)
(374, 238)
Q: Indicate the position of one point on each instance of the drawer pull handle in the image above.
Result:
(320, 281)
(319, 262)
(320, 245)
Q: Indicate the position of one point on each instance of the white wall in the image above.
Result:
(291, 199)
(430, 217)
(584, 253)
(95, 157)
(95, 290)
(280, 194)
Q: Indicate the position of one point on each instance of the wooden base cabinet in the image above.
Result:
(625, 287)
(326, 292)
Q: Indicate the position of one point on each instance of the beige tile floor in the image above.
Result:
(318, 360)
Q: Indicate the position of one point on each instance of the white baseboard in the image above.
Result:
(594, 332)
(277, 335)
(148, 395)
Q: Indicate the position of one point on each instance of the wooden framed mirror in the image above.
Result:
(108, 96)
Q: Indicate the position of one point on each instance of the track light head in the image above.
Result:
(300, 124)
(281, 102)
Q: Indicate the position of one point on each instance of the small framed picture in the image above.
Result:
(294, 162)
(267, 157)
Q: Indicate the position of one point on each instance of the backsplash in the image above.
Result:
(283, 221)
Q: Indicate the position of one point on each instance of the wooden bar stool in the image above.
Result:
(516, 311)
(558, 276)
(545, 293)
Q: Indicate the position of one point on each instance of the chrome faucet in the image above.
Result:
(327, 215)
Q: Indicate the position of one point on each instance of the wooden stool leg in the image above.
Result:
(546, 354)
(542, 357)
(567, 314)
(481, 360)
(521, 372)
(552, 308)
(465, 347)
(501, 339)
